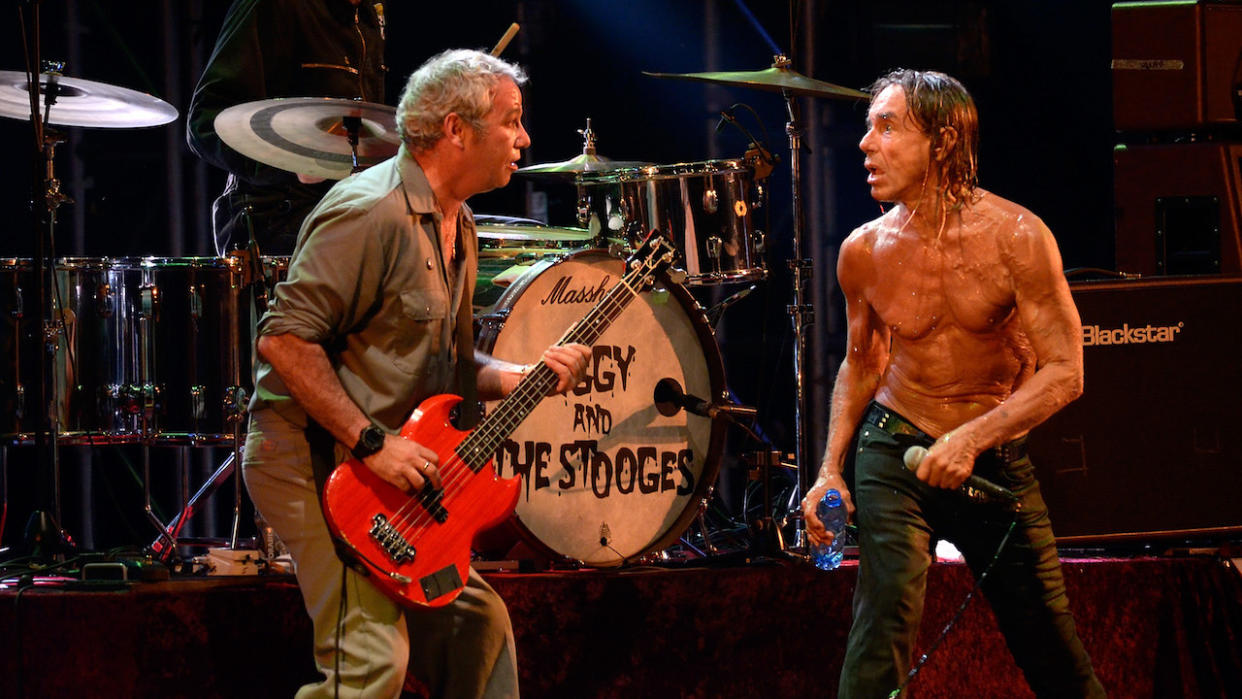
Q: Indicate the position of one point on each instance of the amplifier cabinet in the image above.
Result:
(1154, 444)
(1178, 208)
(1176, 65)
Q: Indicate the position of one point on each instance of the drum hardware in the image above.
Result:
(780, 77)
(66, 101)
(767, 536)
(324, 137)
(587, 161)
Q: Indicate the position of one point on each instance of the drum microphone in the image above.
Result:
(669, 397)
(915, 455)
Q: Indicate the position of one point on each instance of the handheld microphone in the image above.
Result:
(915, 455)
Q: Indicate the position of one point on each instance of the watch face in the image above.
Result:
(373, 438)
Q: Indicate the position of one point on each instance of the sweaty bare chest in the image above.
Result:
(915, 300)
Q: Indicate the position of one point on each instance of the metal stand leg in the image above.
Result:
(164, 546)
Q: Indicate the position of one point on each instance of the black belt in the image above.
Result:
(882, 418)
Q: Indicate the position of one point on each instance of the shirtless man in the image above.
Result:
(962, 337)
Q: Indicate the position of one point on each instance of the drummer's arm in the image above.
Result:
(497, 378)
(236, 74)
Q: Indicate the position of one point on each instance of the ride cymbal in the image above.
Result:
(81, 102)
(778, 78)
(311, 135)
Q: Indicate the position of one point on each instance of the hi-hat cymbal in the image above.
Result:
(84, 103)
(585, 162)
(308, 135)
(778, 78)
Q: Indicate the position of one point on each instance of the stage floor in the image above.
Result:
(1155, 627)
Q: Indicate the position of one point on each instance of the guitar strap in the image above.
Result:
(323, 461)
(468, 413)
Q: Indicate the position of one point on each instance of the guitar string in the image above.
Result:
(525, 397)
(410, 516)
(528, 394)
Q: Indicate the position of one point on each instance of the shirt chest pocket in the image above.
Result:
(418, 339)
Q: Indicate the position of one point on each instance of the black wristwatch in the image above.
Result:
(370, 441)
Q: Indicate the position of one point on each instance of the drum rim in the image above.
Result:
(489, 331)
(665, 172)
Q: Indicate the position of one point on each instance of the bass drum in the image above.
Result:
(606, 477)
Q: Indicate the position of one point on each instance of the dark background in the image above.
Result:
(1039, 71)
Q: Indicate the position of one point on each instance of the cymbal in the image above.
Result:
(307, 135)
(84, 103)
(778, 78)
(585, 162)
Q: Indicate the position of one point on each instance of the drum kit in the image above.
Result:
(156, 351)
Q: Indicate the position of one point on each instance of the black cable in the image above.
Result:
(22, 586)
(978, 583)
(340, 631)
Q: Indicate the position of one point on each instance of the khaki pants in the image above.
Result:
(465, 649)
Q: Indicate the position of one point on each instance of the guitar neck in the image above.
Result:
(477, 448)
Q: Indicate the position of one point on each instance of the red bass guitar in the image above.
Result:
(417, 547)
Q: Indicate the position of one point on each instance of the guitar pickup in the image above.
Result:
(432, 500)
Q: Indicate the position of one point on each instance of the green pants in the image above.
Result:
(464, 649)
(898, 518)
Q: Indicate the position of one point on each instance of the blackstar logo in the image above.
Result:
(1125, 335)
(563, 293)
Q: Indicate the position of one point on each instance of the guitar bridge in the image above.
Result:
(390, 540)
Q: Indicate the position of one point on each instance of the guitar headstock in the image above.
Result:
(653, 256)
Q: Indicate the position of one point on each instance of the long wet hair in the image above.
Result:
(944, 110)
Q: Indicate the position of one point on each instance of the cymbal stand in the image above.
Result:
(353, 125)
(801, 312)
(48, 398)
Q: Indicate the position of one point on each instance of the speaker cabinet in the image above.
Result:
(1176, 65)
(1154, 445)
(1178, 208)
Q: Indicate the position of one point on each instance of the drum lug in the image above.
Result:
(584, 210)
(105, 300)
(235, 403)
(758, 196)
(759, 242)
(711, 201)
(196, 302)
(150, 302)
(198, 401)
(714, 245)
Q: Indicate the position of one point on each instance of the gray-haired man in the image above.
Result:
(363, 330)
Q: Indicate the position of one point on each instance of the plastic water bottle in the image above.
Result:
(831, 511)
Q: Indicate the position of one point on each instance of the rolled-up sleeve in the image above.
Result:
(335, 277)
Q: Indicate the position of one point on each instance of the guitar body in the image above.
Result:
(412, 555)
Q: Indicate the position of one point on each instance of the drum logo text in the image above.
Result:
(563, 293)
(645, 469)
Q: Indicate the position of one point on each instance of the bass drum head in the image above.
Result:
(606, 477)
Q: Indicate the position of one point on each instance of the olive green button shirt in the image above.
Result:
(367, 282)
